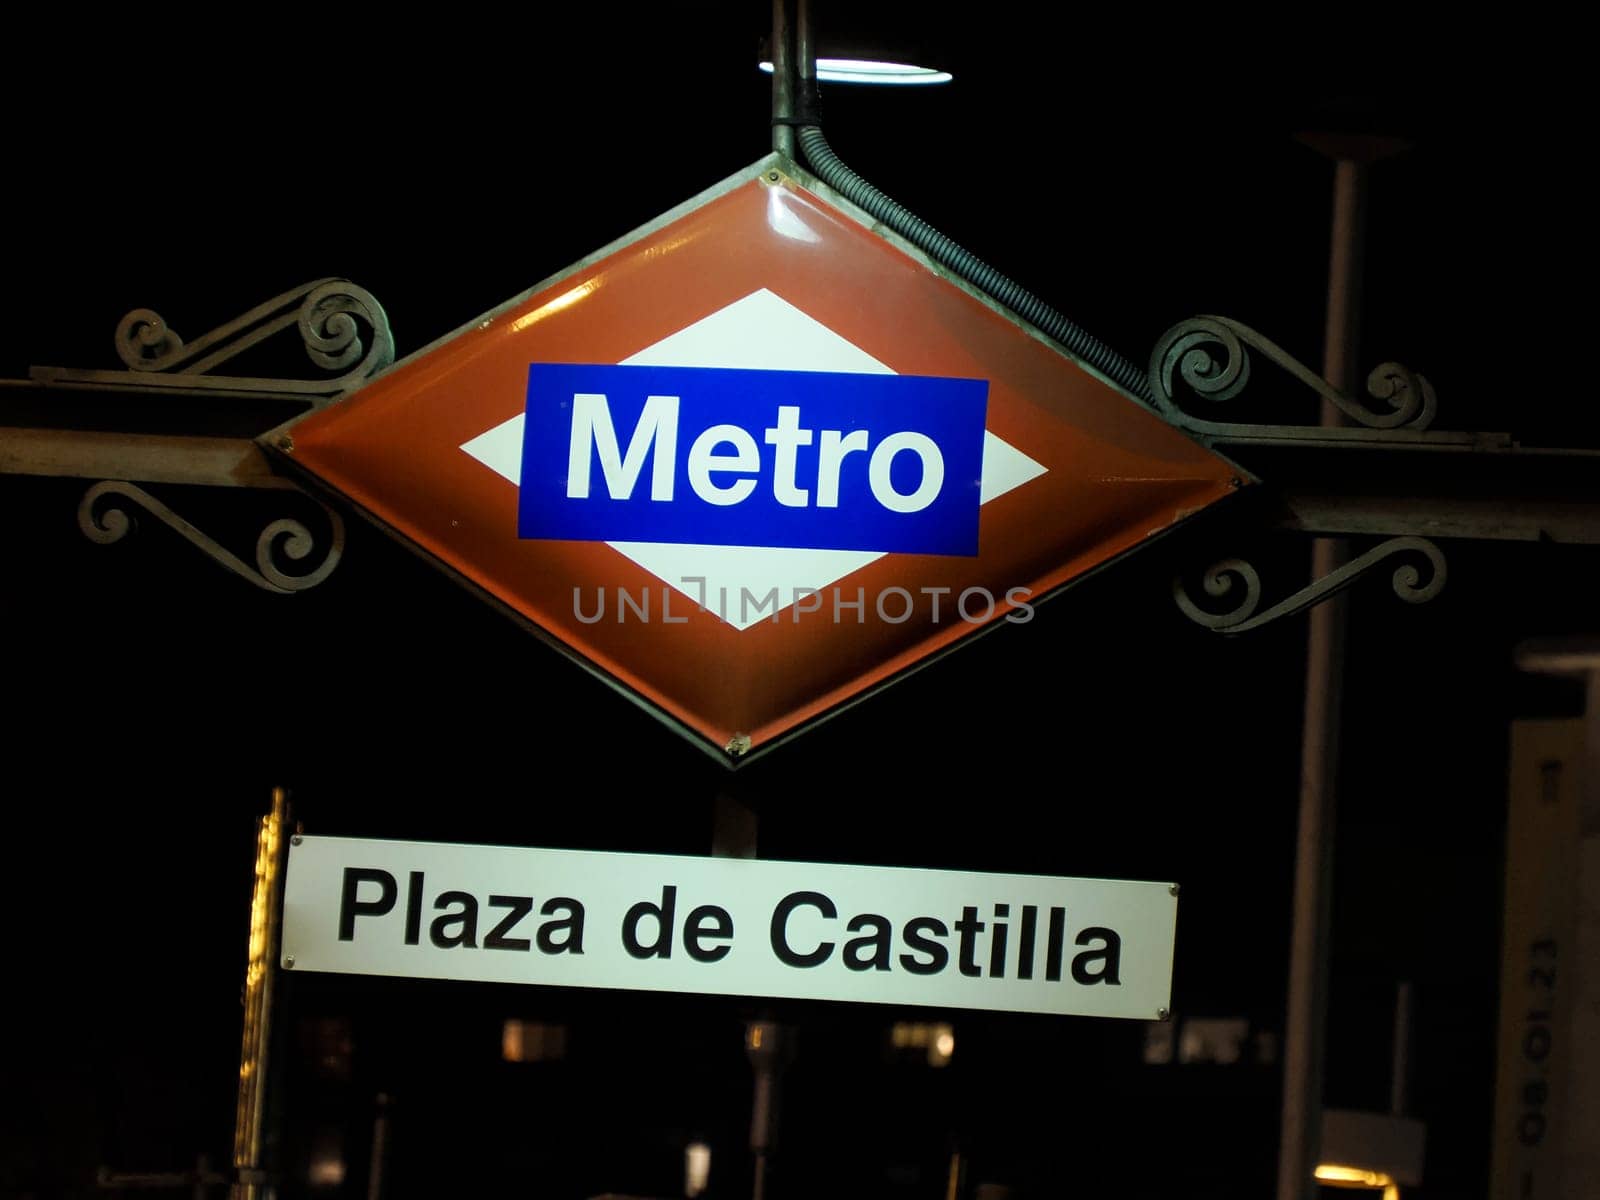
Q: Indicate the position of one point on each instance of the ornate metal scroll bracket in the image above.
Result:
(103, 521)
(1418, 578)
(343, 327)
(1208, 359)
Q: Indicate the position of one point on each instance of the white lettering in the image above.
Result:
(593, 432)
(787, 436)
(830, 455)
(925, 448)
(731, 450)
(746, 460)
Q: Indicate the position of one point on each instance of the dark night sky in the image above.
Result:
(1133, 177)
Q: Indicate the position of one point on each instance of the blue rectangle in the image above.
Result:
(807, 459)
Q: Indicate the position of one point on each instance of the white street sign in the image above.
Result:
(745, 927)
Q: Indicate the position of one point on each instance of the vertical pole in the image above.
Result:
(380, 1149)
(805, 54)
(782, 78)
(736, 825)
(1589, 778)
(1301, 1131)
(260, 972)
(1400, 1062)
(769, 1046)
(734, 831)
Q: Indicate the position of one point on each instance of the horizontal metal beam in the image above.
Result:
(1509, 519)
(1489, 492)
(1560, 656)
(140, 457)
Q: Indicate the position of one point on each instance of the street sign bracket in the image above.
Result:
(1389, 475)
(343, 327)
(1419, 577)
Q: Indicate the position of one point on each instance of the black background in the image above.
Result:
(1133, 173)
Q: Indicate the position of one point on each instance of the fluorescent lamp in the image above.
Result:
(859, 70)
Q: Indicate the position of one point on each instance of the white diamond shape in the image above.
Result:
(760, 332)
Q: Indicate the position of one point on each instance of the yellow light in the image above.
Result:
(939, 1040)
(1358, 1177)
(258, 984)
(511, 1041)
(532, 1041)
(327, 1170)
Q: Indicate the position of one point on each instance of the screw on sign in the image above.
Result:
(756, 459)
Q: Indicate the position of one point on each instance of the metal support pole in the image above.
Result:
(734, 831)
(805, 53)
(769, 1047)
(1400, 1060)
(783, 79)
(1589, 810)
(266, 906)
(379, 1160)
(1304, 1026)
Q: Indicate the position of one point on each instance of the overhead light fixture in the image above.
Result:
(860, 70)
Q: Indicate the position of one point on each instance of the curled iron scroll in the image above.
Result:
(1418, 577)
(1210, 357)
(342, 326)
(103, 520)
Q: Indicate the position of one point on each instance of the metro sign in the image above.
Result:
(848, 506)
(756, 459)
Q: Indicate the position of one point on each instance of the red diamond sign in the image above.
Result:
(757, 458)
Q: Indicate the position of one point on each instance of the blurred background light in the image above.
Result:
(696, 1168)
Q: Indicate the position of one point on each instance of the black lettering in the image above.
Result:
(997, 944)
(1025, 939)
(969, 927)
(695, 928)
(1530, 1128)
(414, 908)
(352, 906)
(520, 907)
(572, 923)
(915, 936)
(662, 946)
(467, 918)
(1536, 1043)
(779, 931)
(1056, 945)
(1111, 956)
(877, 941)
